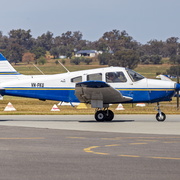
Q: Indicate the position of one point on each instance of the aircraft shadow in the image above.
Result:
(114, 121)
(41, 120)
(82, 121)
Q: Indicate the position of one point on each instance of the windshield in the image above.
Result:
(134, 75)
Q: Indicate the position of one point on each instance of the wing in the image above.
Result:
(98, 91)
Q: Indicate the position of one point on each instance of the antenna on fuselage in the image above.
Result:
(63, 66)
(38, 69)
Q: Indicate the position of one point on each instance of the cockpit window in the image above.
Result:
(115, 77)
(97, 77)
(134, 75)
(76, 79)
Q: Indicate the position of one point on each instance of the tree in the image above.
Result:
(87, 60)
(41, 60)
(45, 41)
(38, 51)
(76, 60)
(153, 59)
(18, 42)
(126, 58)
(27, 57)
(3, 41)
(174, 71)
(116, 41)
(55, 52)
(172, 46)
(175, 59)
(14, 52)
(104, 58)
(155, 47)
(21, 37)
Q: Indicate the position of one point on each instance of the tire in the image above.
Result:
(109, 115)
(160, 118)
(100, 116)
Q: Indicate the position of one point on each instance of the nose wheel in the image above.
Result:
(104, 115)
(160, 116)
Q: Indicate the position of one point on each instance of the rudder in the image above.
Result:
(6, 68)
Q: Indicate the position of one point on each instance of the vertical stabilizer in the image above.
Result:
(5, 67)
(7, 72)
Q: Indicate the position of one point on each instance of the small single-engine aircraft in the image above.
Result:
(98, 87)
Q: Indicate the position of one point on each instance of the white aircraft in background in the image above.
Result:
(98, 87)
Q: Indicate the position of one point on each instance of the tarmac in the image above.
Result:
(145, 124)
(131, 147)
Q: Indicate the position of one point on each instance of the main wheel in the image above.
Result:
(100, 116)
(109, 115)
(160, 116)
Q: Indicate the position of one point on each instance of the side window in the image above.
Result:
(115, 77)
(76, 79)
(97, 76)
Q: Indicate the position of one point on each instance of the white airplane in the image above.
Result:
(98, 87)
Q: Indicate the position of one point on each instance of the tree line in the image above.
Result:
(119, 49)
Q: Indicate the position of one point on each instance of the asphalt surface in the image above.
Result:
(145, 124)
(77, 147)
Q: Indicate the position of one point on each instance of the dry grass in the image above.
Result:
(33, 106)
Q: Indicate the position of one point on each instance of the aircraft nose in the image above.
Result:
(177, 87)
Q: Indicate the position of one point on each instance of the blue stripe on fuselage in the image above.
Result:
(68, 94)
(57, 94)
(10, 73)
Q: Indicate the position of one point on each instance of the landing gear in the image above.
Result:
(100, 116)
(160, 116)
(104, 115)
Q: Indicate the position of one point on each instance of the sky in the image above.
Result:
(144, 20)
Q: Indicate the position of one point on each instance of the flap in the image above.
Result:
(99, 90)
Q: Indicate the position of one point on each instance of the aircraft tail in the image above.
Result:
(7, 72)
(6, 68)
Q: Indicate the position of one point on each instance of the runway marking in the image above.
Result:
(144, 141)
(137, 143)
(129, 156)
(170, 142)
(148, 140)
(76, 137)
(112, 145)
(165, 158)
(93, 147)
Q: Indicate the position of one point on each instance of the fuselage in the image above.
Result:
(61, 87)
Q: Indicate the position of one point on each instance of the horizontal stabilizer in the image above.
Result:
(163, 77)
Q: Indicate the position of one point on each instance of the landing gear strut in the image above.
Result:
(104, 115)
(160, 116)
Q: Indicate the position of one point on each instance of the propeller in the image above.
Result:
(177, 88)
(177, 92)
